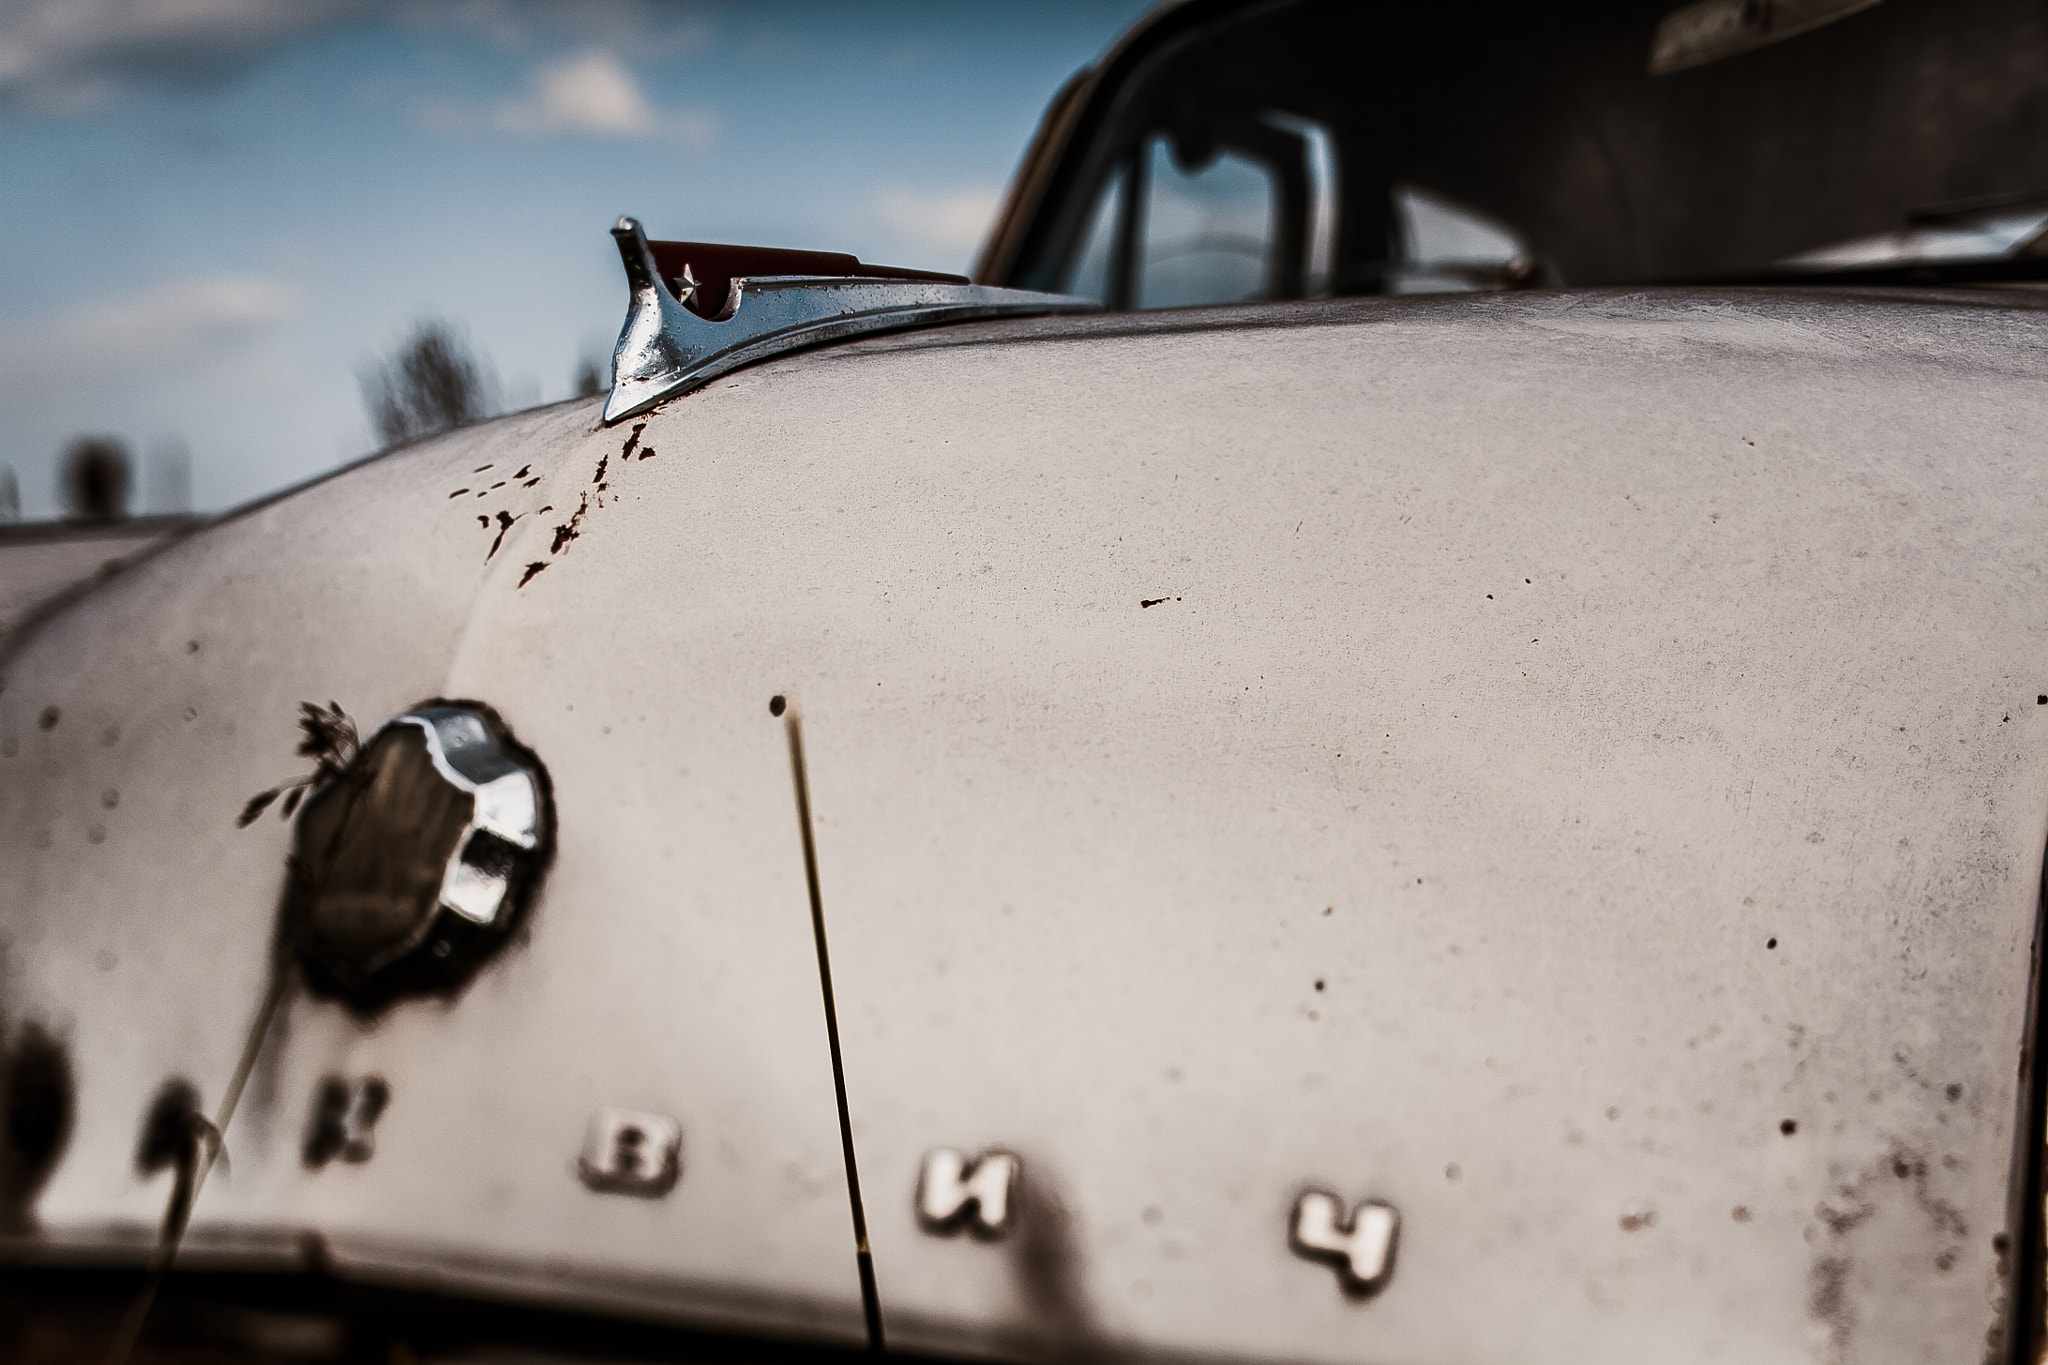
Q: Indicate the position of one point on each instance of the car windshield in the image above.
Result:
(1331, 147)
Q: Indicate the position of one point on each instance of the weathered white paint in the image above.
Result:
(1524, 665)
(39, 562)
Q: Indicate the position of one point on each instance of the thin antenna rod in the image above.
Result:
(870, 1301)
(206, 1148)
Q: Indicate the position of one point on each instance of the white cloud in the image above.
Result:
(64, 54)
(590, 94)
(121, 340)
(950, 221)
(72, 54)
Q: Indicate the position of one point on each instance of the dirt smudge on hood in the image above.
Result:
(38, 1103)
(1868, 1208)
(1048, 1271)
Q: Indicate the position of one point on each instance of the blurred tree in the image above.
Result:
(431, 383)
(96, 478)
(589, 379)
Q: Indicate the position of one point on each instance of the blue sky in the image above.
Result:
(217, 215)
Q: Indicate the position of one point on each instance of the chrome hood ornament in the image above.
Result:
(776, 301)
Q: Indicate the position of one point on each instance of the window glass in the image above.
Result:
(1905, 141)
(1447, 247)
(1088, 275)
(1207, 235)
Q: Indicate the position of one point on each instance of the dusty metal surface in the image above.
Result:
(139, 923)
(1565, 768)
(40, 562)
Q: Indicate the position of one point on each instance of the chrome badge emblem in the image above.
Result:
(1362, 1249)
(628, 1152)
(345, 1117)
(953, 1192)
(413, 863)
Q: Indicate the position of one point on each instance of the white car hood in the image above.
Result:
(1566, 766)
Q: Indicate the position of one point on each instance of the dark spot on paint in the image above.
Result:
(1770, 943)
(1903, 1170)
(172, 1131)
(1046, 1265)
(479, 469)
(505, 521)
(648, 453)
(458, 493)
(2041, 700)
(1741, 1214)
(191, 646)
(632, 441)
(36, 1114)
(531, 482)
(1789, 1127)
(48, 720)
(1954, 1092)
(602, 462)
(1635, 1222)
(1453, 1171)
(496, 486)
(531, 570)
(110, 736)
(1155, 601)
(168, 1130)
(1319, 983)
(1827, 1298)
(776, 705)
(570, 529)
